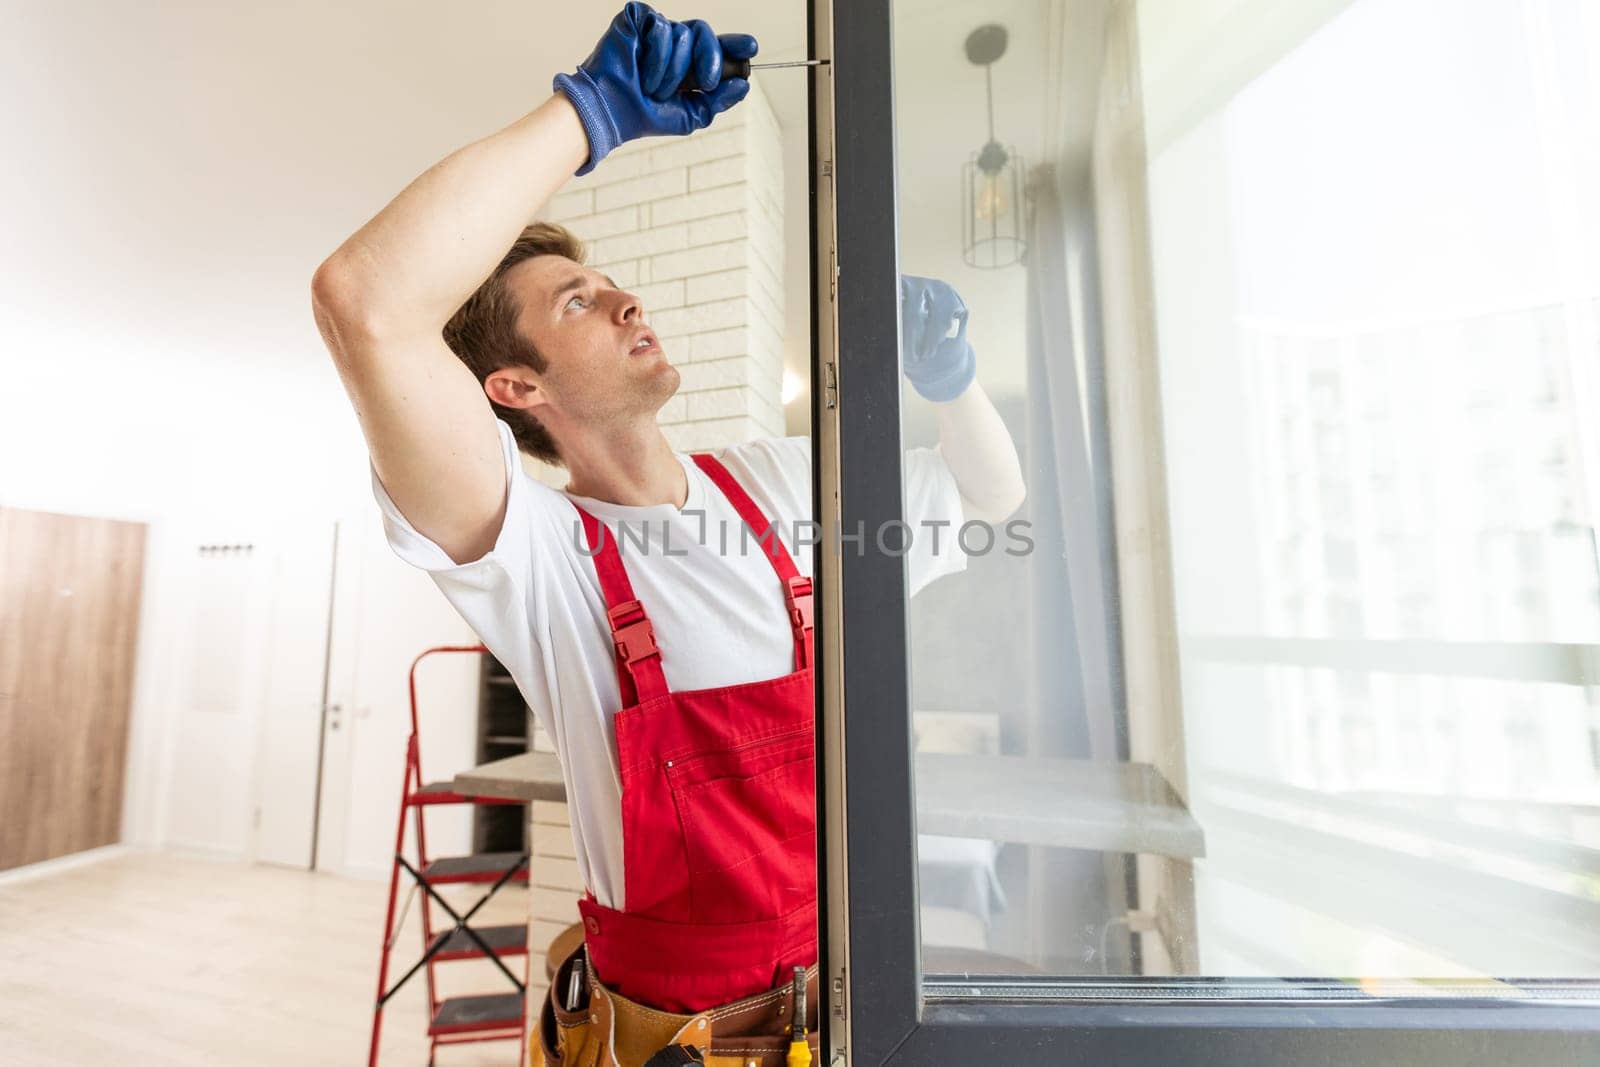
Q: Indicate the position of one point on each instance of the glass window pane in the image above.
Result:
(1289, 666)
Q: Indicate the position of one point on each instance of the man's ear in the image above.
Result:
(515, 387)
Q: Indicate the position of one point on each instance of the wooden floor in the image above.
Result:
(145, 959)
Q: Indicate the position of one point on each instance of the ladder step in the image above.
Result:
(482, 867)
(509, 940)
(489, 1011)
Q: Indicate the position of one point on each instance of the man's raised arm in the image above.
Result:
(382, 299)
(942, 367)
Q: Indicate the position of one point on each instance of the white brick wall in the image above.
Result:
(693, 226)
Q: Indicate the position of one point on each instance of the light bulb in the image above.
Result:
(992, 198)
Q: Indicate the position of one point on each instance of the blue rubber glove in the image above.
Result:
(628, 87)
(939, 366)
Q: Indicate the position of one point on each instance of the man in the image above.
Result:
(666, 651)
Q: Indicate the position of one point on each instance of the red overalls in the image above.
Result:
(718, 807)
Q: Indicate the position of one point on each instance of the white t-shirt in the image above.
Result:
(719, 617)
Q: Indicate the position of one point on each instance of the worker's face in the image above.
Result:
(588, 331)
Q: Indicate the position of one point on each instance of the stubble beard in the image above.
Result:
(661, 385)
(639, 393)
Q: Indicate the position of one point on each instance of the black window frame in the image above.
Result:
(879, 1008)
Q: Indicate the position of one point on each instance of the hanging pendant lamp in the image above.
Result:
(991, 180)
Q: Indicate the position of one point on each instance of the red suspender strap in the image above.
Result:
(796, 586)
(639, 673)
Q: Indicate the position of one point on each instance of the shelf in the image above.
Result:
(530, 776)
(1064, 803)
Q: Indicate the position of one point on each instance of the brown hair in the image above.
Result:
(483, 331)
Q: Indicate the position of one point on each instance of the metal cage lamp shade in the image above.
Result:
(991, 181)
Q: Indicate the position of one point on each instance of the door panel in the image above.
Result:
(385, 614)
(292, 711)
(70, 589)
(244, 665)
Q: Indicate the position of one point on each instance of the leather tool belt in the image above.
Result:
(606, 1029)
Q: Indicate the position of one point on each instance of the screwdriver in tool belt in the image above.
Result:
(799, 1047)
(741, 68)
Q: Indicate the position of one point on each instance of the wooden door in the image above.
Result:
(69, 619)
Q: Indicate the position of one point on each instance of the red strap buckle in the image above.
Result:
(635, 638)
(798, 594)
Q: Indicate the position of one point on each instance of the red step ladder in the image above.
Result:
(463, 1019)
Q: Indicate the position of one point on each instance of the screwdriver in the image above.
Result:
(799, 1048)
(741, 68)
